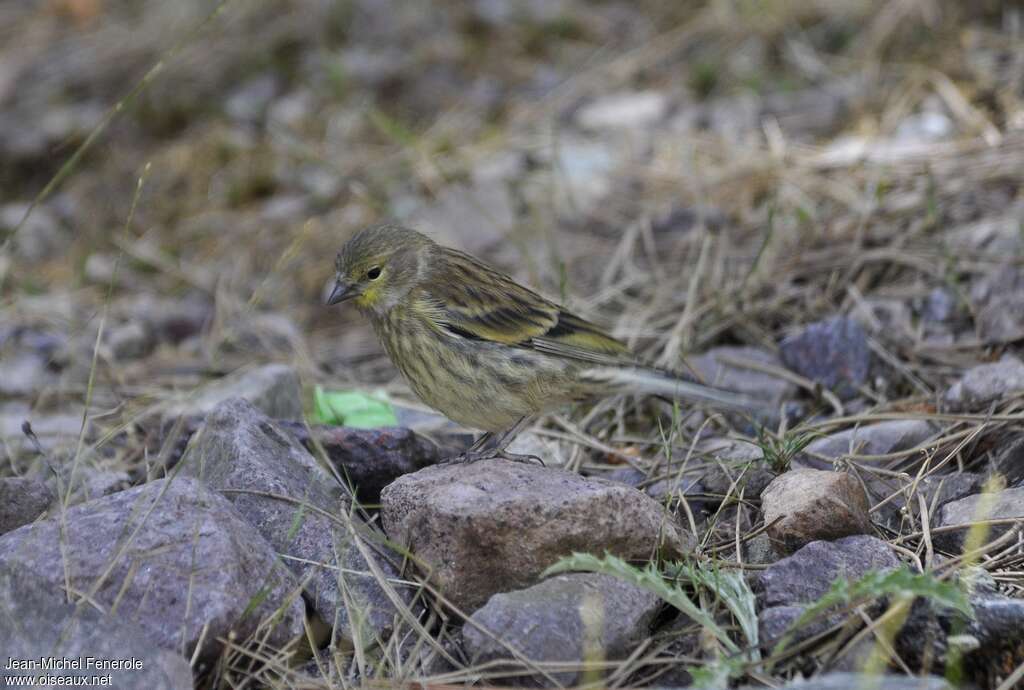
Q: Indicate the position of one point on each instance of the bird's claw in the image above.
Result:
(490, 454)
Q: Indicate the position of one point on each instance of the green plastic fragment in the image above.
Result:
(353, 408)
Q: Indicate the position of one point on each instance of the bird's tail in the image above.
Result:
(650, 381)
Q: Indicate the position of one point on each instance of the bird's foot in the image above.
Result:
(490, 454)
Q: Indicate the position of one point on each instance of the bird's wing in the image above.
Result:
(472, 300)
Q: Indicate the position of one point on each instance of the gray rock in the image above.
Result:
(760, 551)
(499, 13)
(937, 490)
(583, 172)
(1008, 459)
(776, 622)
(1001, 320)
(472, 217)
(128, 341)
(53, 429)
(84, 480)
(41, 237)
(1008, 503)
(998, 301)
(36, 621)
(924, 127)
(243, 454)
(804, 505)
(660, 489)
(249, 101)
(807, 575)
(562, 619)
(22, 500)
(23, 374)
(849, 681)
(833, 352)
(722, 367)
(273, 389)
(493, 526)
(370, 459)
(636, 110)
(989, 639)
(995, 234)
(986, 383)
(169, 320)
(736, 462)
(259, 335)
(873, 439)
(174, 558)
(939, 306)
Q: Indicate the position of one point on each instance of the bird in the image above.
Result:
(485, 351)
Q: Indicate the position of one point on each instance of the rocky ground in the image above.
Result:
(818, 204)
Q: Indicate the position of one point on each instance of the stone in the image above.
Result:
(995, 233)
(172, 557)
(925, 126)
(243, 454)
(494, 525)
(567, 618)
(633, 110)
(1008, 459)
(1008, 503)
(39, 622)
(833, 353)
(937, 490)
(733, 461)
(169, 320)
(808, 574)
(274, 389)
(370, 459)
(805, 505)
(871, 439)
(53, 429)
(88, 482)
(40, 237)
(128, 341)
(776, 622)
(471, 217)
(723, 367)
(671, 487)
(939, 306)
(997, 298)
(847, 681)
(998, 626)
(263, 334)
(760, 551)
(583, 173)
(991, 640)
(984, 384)
(250, 100)
(23, 374)
(22, 500)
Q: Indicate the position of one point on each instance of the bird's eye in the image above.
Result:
(373, 273)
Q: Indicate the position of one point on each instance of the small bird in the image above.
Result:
(482, 349)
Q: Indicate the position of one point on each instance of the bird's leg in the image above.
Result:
(493, 445)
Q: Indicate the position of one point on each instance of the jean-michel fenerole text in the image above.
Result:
(78, 663)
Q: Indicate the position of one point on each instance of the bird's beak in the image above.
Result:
(341, 292)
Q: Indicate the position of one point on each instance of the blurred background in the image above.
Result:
(690, 174)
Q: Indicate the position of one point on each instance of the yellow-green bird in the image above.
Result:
(482, 349)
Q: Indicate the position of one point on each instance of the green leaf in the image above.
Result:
(732, 588)
(352, 408)
(648, 578)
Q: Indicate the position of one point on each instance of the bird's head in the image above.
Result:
(379, 266)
